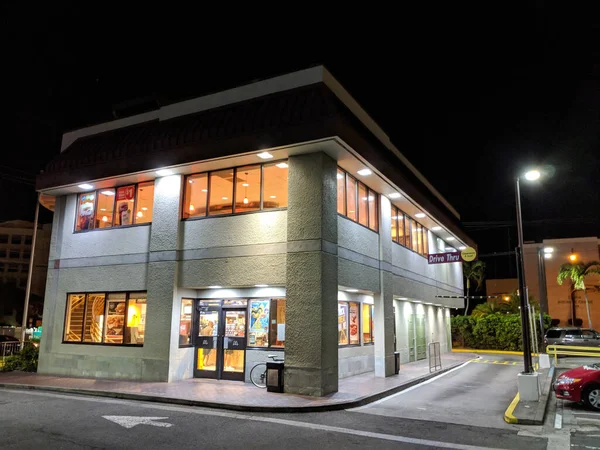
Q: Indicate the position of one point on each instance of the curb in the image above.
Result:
(509, 416)
(236, 407)
(495, 352)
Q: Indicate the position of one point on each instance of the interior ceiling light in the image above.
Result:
(450, 238)
(108, 192)
(548, 249)
(192, 208)
(223, 198)
(261, 285)
(394, 195)
(273, 196)
(436, 228)
(420, 215)
(164, 172)
(340, 176)
(462, 247)
(104, 219)
(102, 209)
(140, 214)
(144, 208)
(190, 181)
(265, 155)
(204, 190)
(547, 255)
(364, 172)
(352, 290)
(246, 189)
(215, 286)
(85, 186)
(282, 165)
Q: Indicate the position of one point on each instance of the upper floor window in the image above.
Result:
(409, 233)
(106, 208)
(259, 187)
(356, 201)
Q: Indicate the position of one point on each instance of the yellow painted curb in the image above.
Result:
(497, 352)
(508, 414)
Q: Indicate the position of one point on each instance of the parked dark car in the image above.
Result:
(584, 337)
(580, 385)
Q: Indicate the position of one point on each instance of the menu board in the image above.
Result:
(115, 321)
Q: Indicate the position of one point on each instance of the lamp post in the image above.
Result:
(523, 300)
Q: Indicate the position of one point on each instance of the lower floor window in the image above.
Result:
(367, 323)
(348, 323)
(266, 322)
(117, 318)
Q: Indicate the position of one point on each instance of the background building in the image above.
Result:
(560, 304)
(15, 253)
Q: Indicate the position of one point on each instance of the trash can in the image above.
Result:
(396, 363)
(275, 376)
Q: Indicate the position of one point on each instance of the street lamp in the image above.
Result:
(532, 175)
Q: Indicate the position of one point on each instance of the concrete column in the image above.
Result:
(162, 277)
(311, 347)
(384, 300)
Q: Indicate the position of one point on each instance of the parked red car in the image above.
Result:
(580, 385)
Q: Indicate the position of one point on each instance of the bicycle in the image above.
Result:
(258, 374)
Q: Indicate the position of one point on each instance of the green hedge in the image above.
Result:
(26, 360)
(492, 332)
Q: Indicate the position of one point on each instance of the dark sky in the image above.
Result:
(469, 96)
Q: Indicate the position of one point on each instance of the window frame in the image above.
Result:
(360, 341)
(249, 310)
(407, 223)
(373, 227)
(112, 227)
(192, 321)
(371, 311)
(106, 301)
(234, 192)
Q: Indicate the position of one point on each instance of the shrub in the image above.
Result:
(492, 332)
(26, 360)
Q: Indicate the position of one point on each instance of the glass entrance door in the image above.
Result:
(207, 339)
(234, 344)
(220, 341)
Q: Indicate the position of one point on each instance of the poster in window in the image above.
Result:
(125, 195)
(259, 323)
(115, 322)
(86, 211)
(353, 318)
(342, 324)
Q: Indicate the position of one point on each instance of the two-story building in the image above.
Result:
(196, 239)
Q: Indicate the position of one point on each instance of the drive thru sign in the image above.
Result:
(467, 255)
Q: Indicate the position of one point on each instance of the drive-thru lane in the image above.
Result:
(475, 394)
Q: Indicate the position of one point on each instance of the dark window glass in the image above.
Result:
(553, 334)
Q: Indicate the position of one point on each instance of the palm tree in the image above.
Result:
(485, 309)
(577, 273)
(473, 271)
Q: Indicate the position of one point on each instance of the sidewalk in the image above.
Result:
(353, 391)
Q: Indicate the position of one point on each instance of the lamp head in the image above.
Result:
(532, 175)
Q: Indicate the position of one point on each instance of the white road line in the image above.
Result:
(558, 421)
(291, 423)
(591, 413)
(416, 386)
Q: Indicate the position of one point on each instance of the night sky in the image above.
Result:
(470, 97)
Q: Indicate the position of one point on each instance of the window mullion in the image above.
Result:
(262, 186)
(234, 190)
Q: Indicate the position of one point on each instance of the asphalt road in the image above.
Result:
(35, 419)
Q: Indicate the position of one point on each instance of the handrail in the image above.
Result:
(571, 350)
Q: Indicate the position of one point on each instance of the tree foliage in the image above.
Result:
(576, 273)
(497, 331)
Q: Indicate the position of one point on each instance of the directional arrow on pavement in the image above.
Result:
(132, 421)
